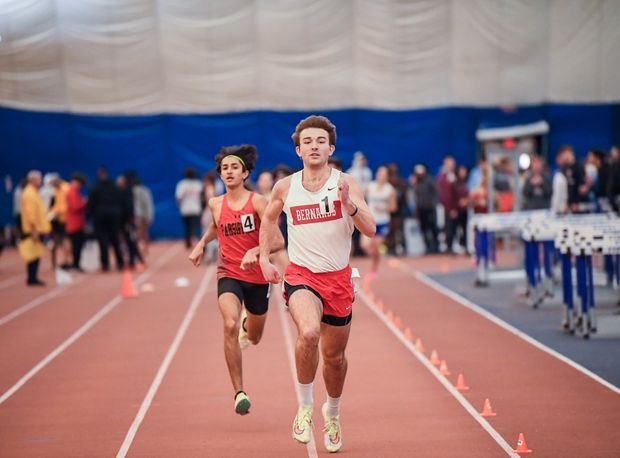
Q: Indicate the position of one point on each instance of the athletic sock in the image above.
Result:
(305, 391)
(333, 406)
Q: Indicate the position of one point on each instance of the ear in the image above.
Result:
(245, 175)
(332, 148)
(298, 151)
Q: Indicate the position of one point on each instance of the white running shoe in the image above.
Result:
(244, 342)
(333, 437)
(302, 425)
(242, 403)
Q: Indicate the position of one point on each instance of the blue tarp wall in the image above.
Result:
(159, 147)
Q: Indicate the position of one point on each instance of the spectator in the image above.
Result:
(105, 206)
(448, 198)
(538, 187)
(560, 184)
(35, 224)
(58, 215)
(462, 194)
(613, 183)
(360, 170)
(188, 195)
(128, 226)
(426, 201)
(143, 211)
(395, 240)
(76, 218)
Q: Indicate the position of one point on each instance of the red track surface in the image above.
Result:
(83, 401)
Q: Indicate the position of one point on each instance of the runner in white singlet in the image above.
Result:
(322, 207)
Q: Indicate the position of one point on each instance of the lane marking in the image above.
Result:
(290, 344)
(510, 328)
(442, 379)
(107, 308)
(163, 368)
(10, 281)
(38, 301)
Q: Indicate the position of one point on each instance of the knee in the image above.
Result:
(310, 337)
(231, 327)
(334, 359)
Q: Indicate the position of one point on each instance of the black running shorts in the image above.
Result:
(254, 296)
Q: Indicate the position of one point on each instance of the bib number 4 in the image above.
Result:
(247, 222)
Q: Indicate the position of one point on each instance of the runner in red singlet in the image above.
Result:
(236, 224)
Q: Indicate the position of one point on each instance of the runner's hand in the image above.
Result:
(197, 253)
(249, 260)
(343, 195)
(270, 272)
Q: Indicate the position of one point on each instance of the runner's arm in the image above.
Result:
(269, 226)
(197, 253)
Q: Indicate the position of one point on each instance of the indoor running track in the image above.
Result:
(85, 373)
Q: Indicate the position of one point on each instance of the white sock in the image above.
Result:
(333, 406)
(305, 391)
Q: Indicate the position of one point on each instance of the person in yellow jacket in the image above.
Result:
(58, 217)
(35, 224)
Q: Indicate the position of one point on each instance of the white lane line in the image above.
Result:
(290, 345)
(163, 368)
(442, 379)
(107, 308)
(9, 281)
(508, 327)
(38, 301)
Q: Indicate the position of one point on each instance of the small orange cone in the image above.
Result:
(398, 322)
(380, 305)
(487, 410)
(443, 368)
(419, 346)
(127, 288)
(435, 358)
(390, 316)
(408, 335)
(521, 445)
(460, 383)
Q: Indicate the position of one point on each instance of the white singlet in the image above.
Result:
(319, 229)
(379, 201)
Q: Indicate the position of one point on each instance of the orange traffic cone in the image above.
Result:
(380, 305)
(398, 322)
(419, 346)
(390, 316)
(460, 383)
(443, 368)
(487, 410)
(435, 358)
(408, 335)
(521, 445)
(127, 288)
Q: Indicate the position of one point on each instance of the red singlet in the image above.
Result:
(237, 232)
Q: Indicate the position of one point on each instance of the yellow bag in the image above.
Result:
(30, 249)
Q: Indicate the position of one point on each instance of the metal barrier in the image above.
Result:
(578, 236)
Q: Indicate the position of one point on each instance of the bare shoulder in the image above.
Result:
(280, 189)
(259, 201)
(215, 205)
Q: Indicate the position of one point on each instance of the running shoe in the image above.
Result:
(332, 438)
(302, 425)
(242, 403)
(244, 342)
